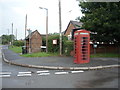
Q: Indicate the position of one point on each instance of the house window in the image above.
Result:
(69, 37)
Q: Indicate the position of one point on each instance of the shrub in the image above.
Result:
(18, 43)
(68, 46)
(55, 48)
(51, 47)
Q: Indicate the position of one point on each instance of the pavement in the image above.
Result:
(57, 62)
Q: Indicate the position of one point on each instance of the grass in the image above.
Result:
(43, 54)
(39, 54)
(112, 55)
(16, 49)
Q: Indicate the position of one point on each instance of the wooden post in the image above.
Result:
(12, 36)
(60, 27)
(25, 27)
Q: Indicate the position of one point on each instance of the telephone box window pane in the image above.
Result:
(84, 37)
(84, 47)
(84, 59)
(84, 33)
(83, 44)
(85, 41)
(84, 55)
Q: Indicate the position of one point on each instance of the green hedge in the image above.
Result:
(68, 46)
(18, 43)
(51, 47)
(55, 48)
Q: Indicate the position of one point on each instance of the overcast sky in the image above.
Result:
(14, 11)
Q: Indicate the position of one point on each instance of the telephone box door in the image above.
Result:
(82, 46)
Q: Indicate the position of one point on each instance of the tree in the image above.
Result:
(7, 38)
(102, 18)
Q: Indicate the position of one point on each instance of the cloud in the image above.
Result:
(19, 10)
(15, 11)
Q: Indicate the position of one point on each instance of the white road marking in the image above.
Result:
(20, 75)
(44, 74)
(76, 71)
(4, 76)
(5, 73)
(42, 71)
(24, 72)
(61, 72)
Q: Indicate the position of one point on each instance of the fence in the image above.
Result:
(105, 48)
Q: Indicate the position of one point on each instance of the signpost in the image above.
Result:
(54, 41)
(95, 46)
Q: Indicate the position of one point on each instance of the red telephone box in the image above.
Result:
(82, 46)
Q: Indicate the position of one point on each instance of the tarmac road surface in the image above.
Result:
(0, 66)
(105, 78)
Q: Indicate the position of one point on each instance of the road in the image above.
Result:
(106, 78)
(0, 66)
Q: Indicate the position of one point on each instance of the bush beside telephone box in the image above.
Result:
(54, 48)
(68, 47)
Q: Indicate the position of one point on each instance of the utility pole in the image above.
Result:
(46, 28)
(60, 27)
(29, 31)
(12, 35)
(25, 27)
(16, 33)
(9, 39)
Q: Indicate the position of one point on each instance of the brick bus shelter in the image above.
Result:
(33, 42)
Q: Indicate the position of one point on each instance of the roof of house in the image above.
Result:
(75, 24)
(32, 34)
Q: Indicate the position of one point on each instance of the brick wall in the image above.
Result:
(36, 43)
(68, 31)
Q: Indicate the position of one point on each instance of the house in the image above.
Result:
(33, 42)
(72, 25)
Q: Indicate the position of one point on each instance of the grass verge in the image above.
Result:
(16, 49)
(39, 54)
(43, 54)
